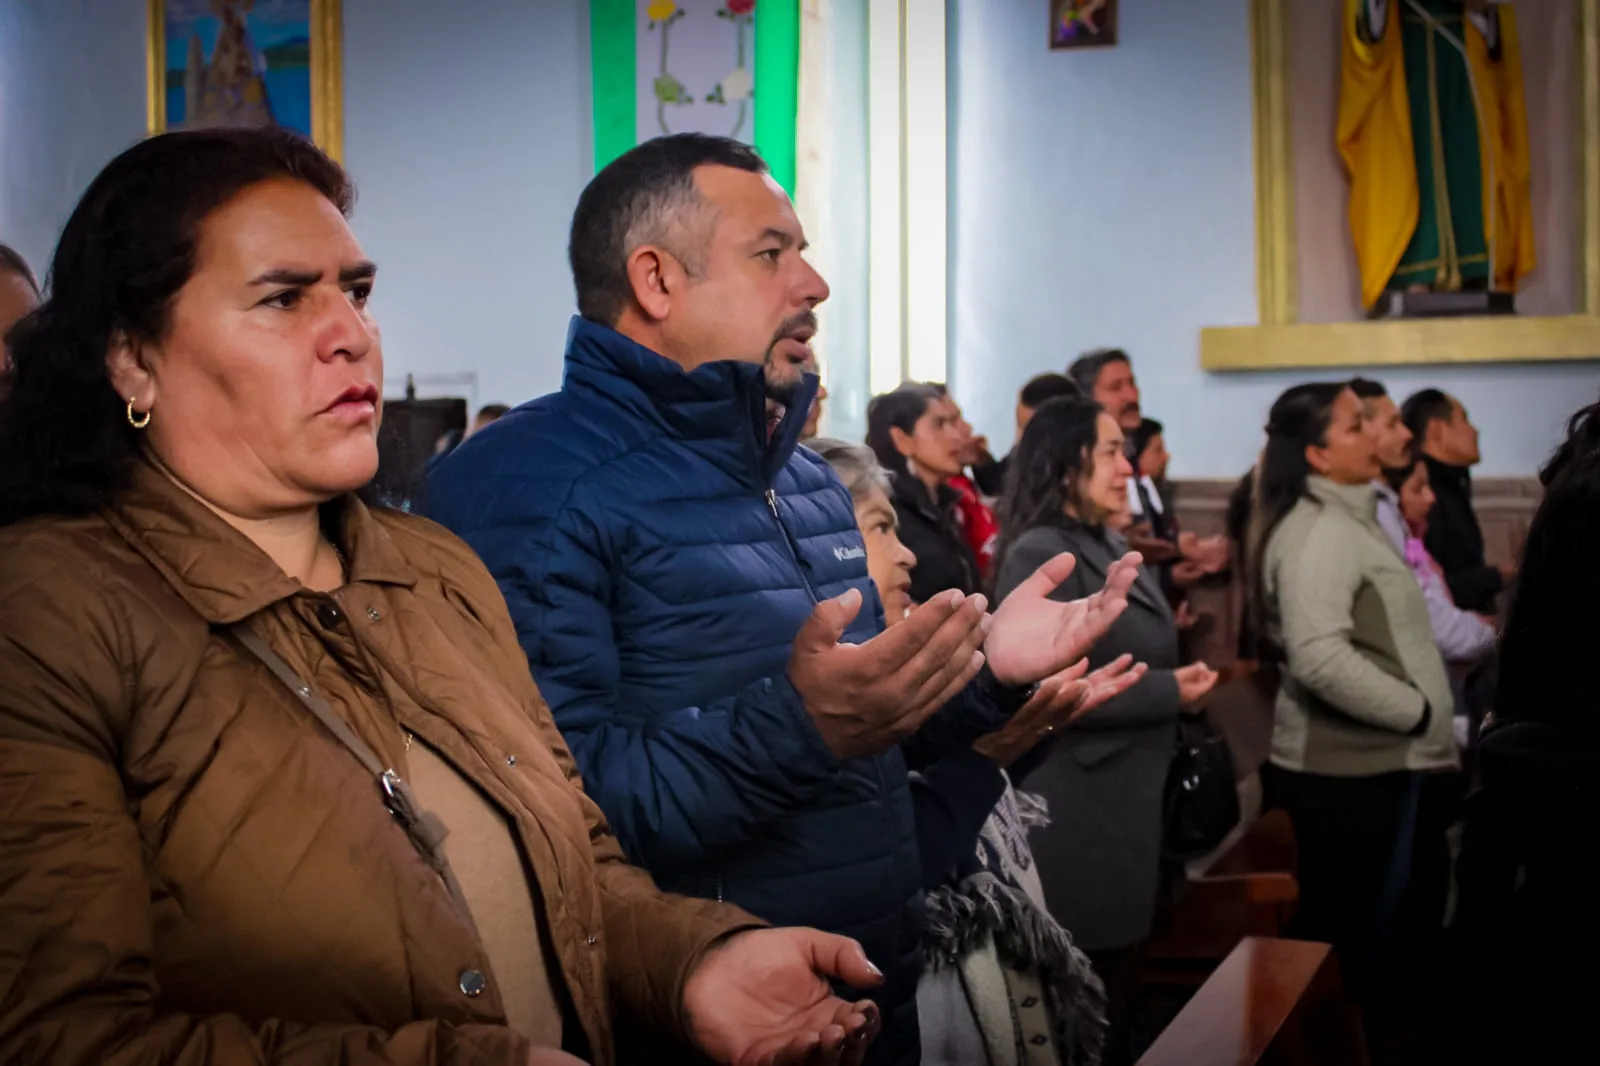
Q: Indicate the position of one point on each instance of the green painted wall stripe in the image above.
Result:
(613, 65)
(777, 85)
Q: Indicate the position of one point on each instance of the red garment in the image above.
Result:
(978, 523)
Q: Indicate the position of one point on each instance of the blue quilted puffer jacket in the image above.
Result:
(659, 555)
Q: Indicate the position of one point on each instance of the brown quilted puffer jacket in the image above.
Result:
(193, 870)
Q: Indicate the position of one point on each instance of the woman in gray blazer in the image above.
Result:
(1100, 857)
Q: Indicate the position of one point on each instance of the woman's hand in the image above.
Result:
(762, 998)
(1033, 637)
(1061, 699)
(1195, 683)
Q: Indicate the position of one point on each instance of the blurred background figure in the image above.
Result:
(990, 477)
(915, 434)
(1100, 858)
(977, 518)
(1448, 442)
(1364, 708)
(487, 415)
(19, 292)
(1526, 911)
(1002, 981)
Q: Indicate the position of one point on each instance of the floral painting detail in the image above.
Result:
(668, 89)
(739, 86)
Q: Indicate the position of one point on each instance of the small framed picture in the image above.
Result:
(247, 63)
(1083, 23)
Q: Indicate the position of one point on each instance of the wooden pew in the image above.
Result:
(1271, 1002)
(1249, 891)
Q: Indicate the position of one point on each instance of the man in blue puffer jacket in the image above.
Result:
(681, 575)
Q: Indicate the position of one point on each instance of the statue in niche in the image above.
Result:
(1433, 132)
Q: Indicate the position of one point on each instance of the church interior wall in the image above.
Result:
(1096, 197)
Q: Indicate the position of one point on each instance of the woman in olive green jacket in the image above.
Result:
(1364, 707)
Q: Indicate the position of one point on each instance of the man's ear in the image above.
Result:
(654, 275)
(126, 368)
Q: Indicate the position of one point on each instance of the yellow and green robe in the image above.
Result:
(1420, 149)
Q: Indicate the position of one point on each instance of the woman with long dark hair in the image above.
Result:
(277, 785)
(1364, 706)
(916, 436)
(1100, 858)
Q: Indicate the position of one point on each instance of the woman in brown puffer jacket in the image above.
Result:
(275, 783)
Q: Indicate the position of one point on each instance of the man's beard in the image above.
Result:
(781, 386)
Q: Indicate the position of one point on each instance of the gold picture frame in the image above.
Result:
(1282, 342)
(326, 71)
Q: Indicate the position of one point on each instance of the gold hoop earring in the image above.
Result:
(135, 420)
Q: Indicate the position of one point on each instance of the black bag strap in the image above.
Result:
(426, 830)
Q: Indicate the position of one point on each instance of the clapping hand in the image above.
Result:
(1033, 637)
(1210, 554)
(762, 998)
(1060, 700)
(1195, 683)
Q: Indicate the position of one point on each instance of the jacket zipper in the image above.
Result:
(794, 545)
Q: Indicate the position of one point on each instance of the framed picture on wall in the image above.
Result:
(1083, 23)
(247, 63)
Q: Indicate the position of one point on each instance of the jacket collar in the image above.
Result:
(724, 404)
(218, 570)
(1359, 500)
(909, 490)
(1441, 472)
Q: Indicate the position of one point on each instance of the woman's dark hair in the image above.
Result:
(1546, 651)
(1298, 420)
(131, 243)
(1056, 449)
(900, 410)
(1583, 436)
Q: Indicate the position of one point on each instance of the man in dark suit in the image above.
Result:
(1448, 442)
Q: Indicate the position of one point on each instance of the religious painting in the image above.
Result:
(246, 63)
(1083, 23)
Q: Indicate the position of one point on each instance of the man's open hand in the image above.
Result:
(866, 698)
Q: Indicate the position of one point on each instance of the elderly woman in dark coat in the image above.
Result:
(1099, 860)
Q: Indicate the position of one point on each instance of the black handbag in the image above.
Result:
(1201, 800)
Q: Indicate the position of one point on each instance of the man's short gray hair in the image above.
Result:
(647, 195)
(855, 464)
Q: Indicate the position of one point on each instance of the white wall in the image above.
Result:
(1105, 197)
(467, 130)
(72, 80)
(1097, 197)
